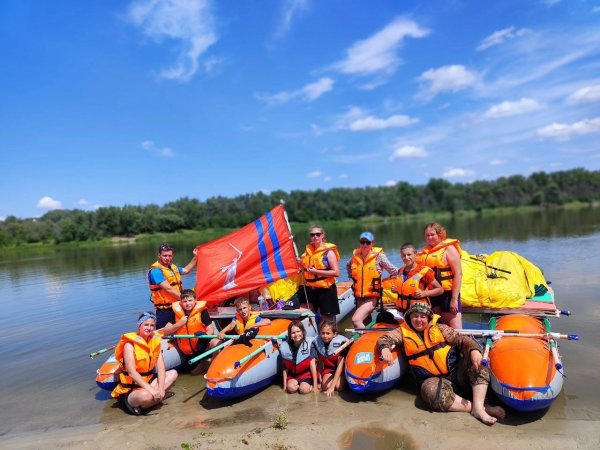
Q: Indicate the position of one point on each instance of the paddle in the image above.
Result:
(104, 350)
(360, 330)
(211, 351)
(212, 336)
(260, 349)
(516, 333)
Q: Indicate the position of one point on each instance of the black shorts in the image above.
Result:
(324, 300)
(443, 302)
(164, 316)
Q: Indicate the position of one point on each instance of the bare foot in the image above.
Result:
(495, 411)
(483, 416)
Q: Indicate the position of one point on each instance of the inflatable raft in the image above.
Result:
(365, 372)
(228, 378)
(526, 375)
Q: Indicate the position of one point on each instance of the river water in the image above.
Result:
(60, 305)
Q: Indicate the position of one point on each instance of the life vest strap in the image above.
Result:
(428, 351)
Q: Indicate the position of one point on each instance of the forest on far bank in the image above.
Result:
(438, 195)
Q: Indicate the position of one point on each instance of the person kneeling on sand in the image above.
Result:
(138, 355)
(441, 361)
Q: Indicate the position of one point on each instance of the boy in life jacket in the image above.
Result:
(245, 319)
(299, 365)
(139, 355)
(191, 318)
(415, 282)
(442, 361)
(330, 362)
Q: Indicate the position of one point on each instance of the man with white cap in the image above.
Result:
(365, 269)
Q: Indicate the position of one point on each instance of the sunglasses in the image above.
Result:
(315, 234)
(365, 242)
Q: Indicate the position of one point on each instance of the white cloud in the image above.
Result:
(165, 152)
(451, 78)
(408, 151)
(314, 174)
(377, 54)
(390, 183)
(49, 203)
(371, 123)
(457, 173)
(188, 21)
(498, 37)
(290, 9)
(497, 162)
(564, 131)
(507, 109)
(308, 93)
(586, 94)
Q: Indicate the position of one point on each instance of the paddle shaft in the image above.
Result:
(213, 336)
(359, 330)
(211, 351)
(256, 352)
(517, 333)
(104, 350)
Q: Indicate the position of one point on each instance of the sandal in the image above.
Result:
(134, 411)
(168, 395)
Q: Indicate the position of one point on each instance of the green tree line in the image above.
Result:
(438, 195)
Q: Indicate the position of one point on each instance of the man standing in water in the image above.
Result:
(164, 279)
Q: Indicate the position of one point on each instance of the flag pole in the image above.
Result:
(287, 222)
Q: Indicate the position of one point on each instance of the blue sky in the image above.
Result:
(111, 102)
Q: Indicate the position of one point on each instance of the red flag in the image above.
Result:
(253, 256)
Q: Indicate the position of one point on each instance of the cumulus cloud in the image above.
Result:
(586, 94)
(314, 174)
(49, 203)
(371, 123)
(497, 162)
(150, 146)
(457, 173)
(498, 37)
(564, 131)
(451, 78)
(507, 109)
(408, 151)
(390, 183)
(377, 54)
(308, 93)
(189, 22)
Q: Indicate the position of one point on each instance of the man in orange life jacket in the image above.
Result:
(164, 279)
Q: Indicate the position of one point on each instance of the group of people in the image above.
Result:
(427, 287)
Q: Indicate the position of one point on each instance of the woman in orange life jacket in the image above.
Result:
(414, 283)
(191, 318)
(443, 256)
(330, 362)
(320, 266)
(299, 365)
(139, 355)
(164, 280)
(365, 269)
(442, 360)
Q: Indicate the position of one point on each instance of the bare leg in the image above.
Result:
(478, 410)
(452, 320)
(362, 312)
(305, 388)
(141, 398)
(292, 386)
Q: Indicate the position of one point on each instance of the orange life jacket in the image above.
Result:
(366, 277)
(430, 356)
(434, 257)
(406, 288)
(317, 258)
(241, 326)
(146, 355)
(161, 298)
(194, 323)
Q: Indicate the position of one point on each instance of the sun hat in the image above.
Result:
(419, 307)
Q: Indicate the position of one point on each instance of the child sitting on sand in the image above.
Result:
(299, 366)
(330, 362)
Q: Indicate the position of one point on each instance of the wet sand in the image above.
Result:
(392, 420)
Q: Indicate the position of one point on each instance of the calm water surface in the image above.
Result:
(61, 305)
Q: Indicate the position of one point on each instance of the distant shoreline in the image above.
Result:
(209, 234)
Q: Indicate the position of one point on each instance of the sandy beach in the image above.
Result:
(393, 420)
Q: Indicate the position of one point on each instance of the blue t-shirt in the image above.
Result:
(156, 276)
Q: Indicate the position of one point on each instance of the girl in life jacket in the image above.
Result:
(139, 356)
(330, 361)
(299, 365)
